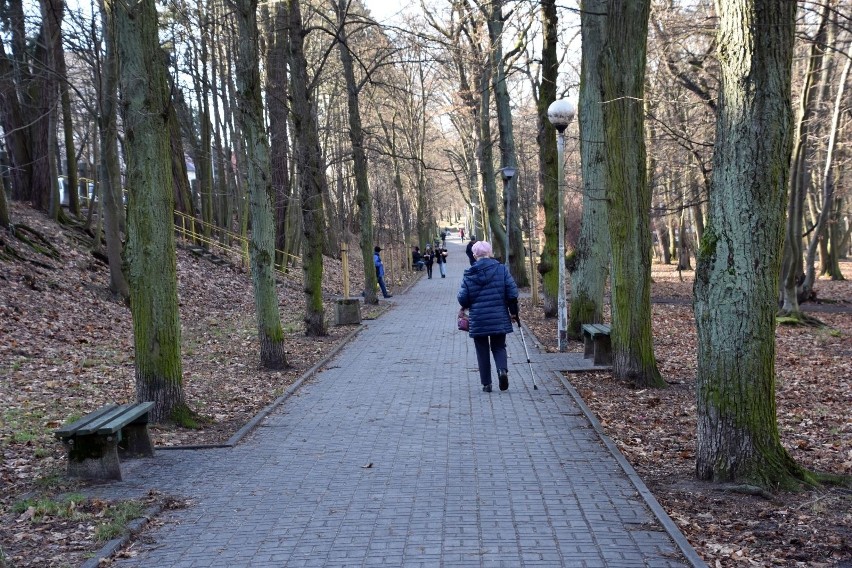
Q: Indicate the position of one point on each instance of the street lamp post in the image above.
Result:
(508, 174)
(560, 114)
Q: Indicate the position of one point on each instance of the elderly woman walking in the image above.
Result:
(491, 295)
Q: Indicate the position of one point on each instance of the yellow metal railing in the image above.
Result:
(192, 230)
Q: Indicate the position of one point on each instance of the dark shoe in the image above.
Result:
(443, 275)
(503, 379)
(389, 296)
(486, 388)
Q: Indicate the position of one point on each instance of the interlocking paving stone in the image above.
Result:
(456, 477)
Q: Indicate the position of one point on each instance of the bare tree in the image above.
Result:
(736, 284)
(150, 241)
(627, 191)
(261, 192)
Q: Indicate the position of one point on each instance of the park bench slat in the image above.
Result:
(595, 329)
(129, 414)
(71, 429)
(93, 441)
(94, 426)
(596, 343)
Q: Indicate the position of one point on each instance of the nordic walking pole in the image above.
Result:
(524, 341)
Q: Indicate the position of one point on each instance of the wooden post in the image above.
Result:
(533, 274)
(344, 256)
(390, 272)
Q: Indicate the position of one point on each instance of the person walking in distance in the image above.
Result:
(380, 271)
(428, 258)
(469, 250)
(490, 294)
(441, 259)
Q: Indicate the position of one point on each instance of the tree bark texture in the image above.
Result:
(4, 205)
(514, 258)
(628, 192)
(43, 97)
(359, 158)
(68, 131)
(14, 130)
(279, 141)
(736, 284)
(800, 175)
(109, 168)
(486, 163)
(835, 242)
(591, 265)
(312, 179)
(151, 258)
(547, 159)
(261, 192)
(820, 231)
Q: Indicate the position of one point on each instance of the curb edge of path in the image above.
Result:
(656, 509)
(116, 544)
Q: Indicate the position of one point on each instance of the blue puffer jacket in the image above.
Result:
(489, 291)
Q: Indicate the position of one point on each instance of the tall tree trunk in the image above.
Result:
(150, 240)
(44, 96)
(14, 129)
(312, 180)
(800, 178)
(547, 159)
(180, 177)
(279, 142)
(588, 280)
(736, 282)
(820, 232)
(204, 166)
(68, 132)
(109, 168)
(4, 205)
(834, 242)
(359, 157)
(514, 258)
(261, 193)
(628, 192)
(486, 163)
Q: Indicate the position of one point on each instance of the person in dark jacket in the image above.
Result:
(380, 271)
(441, 258)
(428, 259)
(417, 262)
(489, 292)
(469, 250)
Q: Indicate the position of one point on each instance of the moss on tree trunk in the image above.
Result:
(312, 180)
(736, 285)
(628, 192)
(261, 192)
(150, 251)
(588, 279)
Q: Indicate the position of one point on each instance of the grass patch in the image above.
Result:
(118, 516)
(112, 518)
(65, 507)
(21, 426)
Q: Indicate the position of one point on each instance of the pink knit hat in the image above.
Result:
(481, 249)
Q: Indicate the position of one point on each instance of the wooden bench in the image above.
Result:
(94, 441)
(596, 343)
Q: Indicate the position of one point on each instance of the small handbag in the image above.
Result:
(463, 321)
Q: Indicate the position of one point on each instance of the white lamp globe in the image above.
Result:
(560, 114)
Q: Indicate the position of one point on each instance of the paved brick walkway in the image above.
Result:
(392, 456)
